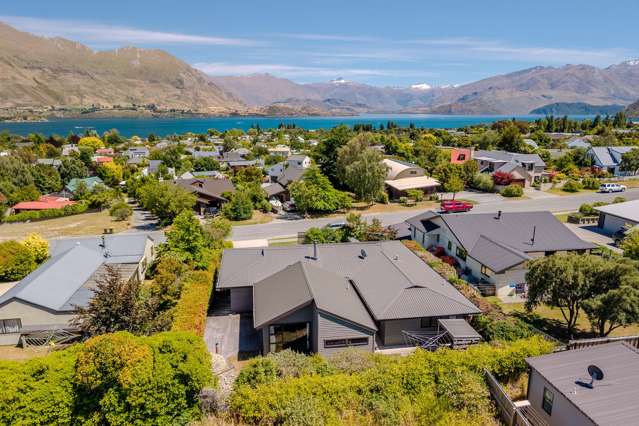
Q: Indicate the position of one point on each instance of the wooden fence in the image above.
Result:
(586, 343)
(509, 413)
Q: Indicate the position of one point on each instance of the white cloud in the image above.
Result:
(89, 32)
(293, 71)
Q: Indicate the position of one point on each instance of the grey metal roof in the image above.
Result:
(613, 400)
(609, 156)
(458, 328)
(57, 280)
(504, 156)
(302, 283)
(84, 293)
(290, 174)
(392, 281)
(628, 210)
(122, 248)
(273, 189)
(504, 242)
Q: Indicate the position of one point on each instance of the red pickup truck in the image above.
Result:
(454, 206)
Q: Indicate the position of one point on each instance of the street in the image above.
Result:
(553, 203)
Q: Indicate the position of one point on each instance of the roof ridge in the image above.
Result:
(505, 246)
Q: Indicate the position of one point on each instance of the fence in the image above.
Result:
(586, 343)
(508, 412)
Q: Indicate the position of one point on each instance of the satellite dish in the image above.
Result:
(363, 253)
(595, 373)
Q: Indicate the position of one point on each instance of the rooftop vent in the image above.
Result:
(363, 254)
(498, 215)
(595, 373)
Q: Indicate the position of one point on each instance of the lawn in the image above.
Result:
(68, 226)
(257, 219)
(551, 321)
(12, 353)
(559, 191)
(562, 217)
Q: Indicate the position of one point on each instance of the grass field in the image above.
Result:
(257, 219)
(68, 226)
(551, 321)
(11, 353)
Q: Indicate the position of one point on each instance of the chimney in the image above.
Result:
(498, 215)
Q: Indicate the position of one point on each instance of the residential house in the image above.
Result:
(283, 150)
(597, 385)
(493, 249)
(47, 298)
(580, 142)
(101, 159)
(403, 176)
(68, 149)
(136, 152)
(525, 168)
(45, 202)
(530, 143)
(53, 162)
(296, 161)
(619, 216)
(278, 188)
(461, 155)
(322, 298)
(209, 192)
(299, 160)
(105, 152)
(608, 158)
(154, 168)
(90, 184)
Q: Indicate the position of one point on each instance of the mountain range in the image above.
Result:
(39, 72)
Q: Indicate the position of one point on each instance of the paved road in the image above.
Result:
(282, 228)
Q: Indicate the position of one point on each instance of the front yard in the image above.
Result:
(69, 226)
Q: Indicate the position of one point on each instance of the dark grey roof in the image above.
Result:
(273, 189)
(609, 156)
(392, 281)
(302, 283)
(613, 400)
(208, 187)
(504, 242)
(290, 174)
(504, 156)
(458, 328)
(422, 220)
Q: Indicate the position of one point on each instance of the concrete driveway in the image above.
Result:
(231, 335)
(594, 235)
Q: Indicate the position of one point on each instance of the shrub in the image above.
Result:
(591, 183)
(617, 200)
(323, 235)
(111, 379)
(415, 194)
(502, 328)
(38, 246)
(192, 306)
(502, 178)
(588, 210)
(403, 200)
(259, 371)
(512, 191)
(382, 198)
(240, 207)
(572, 186)
(121, 211)
(483, 182)
(78, 208)
(16, 261)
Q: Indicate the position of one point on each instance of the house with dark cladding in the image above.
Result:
(321, 298)
(493, 248)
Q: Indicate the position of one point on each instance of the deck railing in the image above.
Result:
(508, 411)
(586, 343)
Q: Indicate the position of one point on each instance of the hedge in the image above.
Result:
(192, 306)
(442, 387)
(16, 261)
(113, 379)
(78, 208)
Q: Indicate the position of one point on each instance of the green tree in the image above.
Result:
(564, 281)
(327, 150)
(510, 139)
(455, 184)
(204, 164)
(16, 261)
(46, 178)
(314, 193)
(239, 207)
(72, 168)
(359, 167)
(38, 246)
(111, 173)
(630, 245)
(91, 142)
(188, 240)
(630, 161)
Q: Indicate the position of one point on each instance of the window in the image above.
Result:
(296, 337)
(437, 238)
(461, 253)
(546, 404)
(461, 157)
(342, 343)
(485, 270)
(427, 322)
(10, 326)
(450, 245)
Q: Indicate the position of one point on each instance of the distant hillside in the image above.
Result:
(38, 72)
(633, 110)
(567, 108)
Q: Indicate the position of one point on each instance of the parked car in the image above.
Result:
(288, 206)
(336, 225)
(612, 187)
(455, 206)
(277, 204)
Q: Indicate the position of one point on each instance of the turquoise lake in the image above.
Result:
(166, 126)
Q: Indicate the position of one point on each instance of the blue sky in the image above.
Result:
(378, 42)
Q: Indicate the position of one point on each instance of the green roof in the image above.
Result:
(90, 183)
